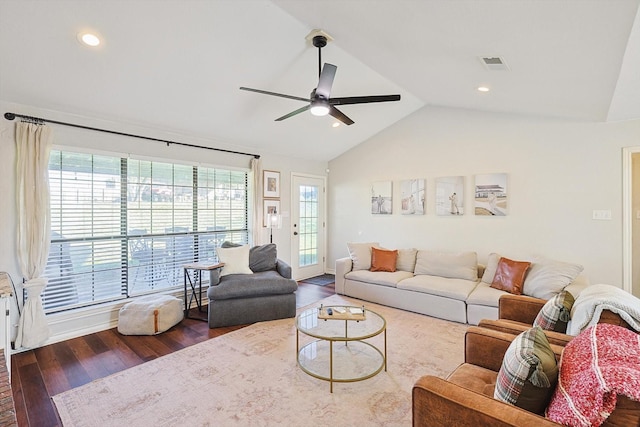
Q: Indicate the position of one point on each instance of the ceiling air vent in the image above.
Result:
(494, 63)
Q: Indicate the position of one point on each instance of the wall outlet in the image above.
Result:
(602, 214)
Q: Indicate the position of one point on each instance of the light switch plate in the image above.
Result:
(602, 214)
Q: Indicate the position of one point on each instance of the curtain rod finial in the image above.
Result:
(9, 116)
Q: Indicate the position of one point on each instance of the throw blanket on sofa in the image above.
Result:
(596, 366)
(596, 298)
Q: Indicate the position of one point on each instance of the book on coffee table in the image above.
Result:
(342, 313)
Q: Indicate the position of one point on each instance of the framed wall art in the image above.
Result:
(271, 184)
(450, 196)
(270, 207)
(412, 197)
(381, 198)
(491, 194)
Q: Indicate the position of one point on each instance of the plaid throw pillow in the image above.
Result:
(555, 313)
(529, 372)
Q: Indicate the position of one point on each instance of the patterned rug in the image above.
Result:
(250, 377)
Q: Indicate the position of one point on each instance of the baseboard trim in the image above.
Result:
(89, 320)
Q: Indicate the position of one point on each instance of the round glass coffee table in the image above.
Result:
(339, 352)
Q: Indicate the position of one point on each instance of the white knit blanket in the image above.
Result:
(596, 298)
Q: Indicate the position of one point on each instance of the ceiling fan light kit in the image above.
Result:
(319, 102)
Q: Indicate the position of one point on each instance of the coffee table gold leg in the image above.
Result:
(346, 333)
(385, 350)
(331, 366)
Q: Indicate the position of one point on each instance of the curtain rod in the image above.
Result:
(11, 116)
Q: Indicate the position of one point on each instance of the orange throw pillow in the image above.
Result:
(510, 275)
(383, 260)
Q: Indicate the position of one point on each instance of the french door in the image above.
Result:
(308, 226)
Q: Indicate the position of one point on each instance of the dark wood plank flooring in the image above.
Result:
(44, 372)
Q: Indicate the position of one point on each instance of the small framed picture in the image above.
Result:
(270, 207)
(271, 184)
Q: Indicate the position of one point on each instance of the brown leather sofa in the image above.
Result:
(465, 398)
(516, 314)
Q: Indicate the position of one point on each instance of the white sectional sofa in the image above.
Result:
(451, 286)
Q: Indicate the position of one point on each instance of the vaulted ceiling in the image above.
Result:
(177, 66)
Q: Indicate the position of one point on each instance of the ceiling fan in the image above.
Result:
(319, 102)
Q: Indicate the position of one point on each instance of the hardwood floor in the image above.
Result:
(44, 372)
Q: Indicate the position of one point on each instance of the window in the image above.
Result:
(124, 227)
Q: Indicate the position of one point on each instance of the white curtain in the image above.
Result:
(256, 171)
(33, 145)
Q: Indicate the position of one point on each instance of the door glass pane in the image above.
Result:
(308, 250)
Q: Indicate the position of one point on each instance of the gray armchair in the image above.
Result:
(267, 294)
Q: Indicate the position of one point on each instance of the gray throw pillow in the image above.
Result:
(261, 258)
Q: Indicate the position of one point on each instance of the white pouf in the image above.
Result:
(149, 315)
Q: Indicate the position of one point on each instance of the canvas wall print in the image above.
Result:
(491, 194)
(412, 196)
(450, 196)
(381, 198)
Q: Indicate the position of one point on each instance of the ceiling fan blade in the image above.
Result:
(326, 80)
(334, 112)
(293, 113)
(363, 99)
(264, 92)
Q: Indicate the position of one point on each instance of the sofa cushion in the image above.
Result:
(490, 269)
(548, 277)
(406, 259)
(458, 289)
(529, 372)
(462, 265)
(360, 254)
(261, 258)
(475, 378)
(555, 313)
(236, 260)
(509, 275)
(483, 294)
(382, 278)
(249, 286)
(383, 259)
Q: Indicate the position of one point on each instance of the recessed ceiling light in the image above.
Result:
(335, 124)
(483, 89)
(89, 39)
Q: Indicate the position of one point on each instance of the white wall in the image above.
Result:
(558, 172)
(635, 223)
(85, 139)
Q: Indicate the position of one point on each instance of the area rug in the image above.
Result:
(250, 377)
(322, 280)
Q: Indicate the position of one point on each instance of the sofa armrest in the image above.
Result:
(437, 402)
(214, 277)
(486, 348)
(520, 308)
(343, 266)
(516, 328)
(283, 269)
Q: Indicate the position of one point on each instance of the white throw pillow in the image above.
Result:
(360, 254)
(490, 269)
(462, 265)
(236, 260)
(406, 260)
(547, 277)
